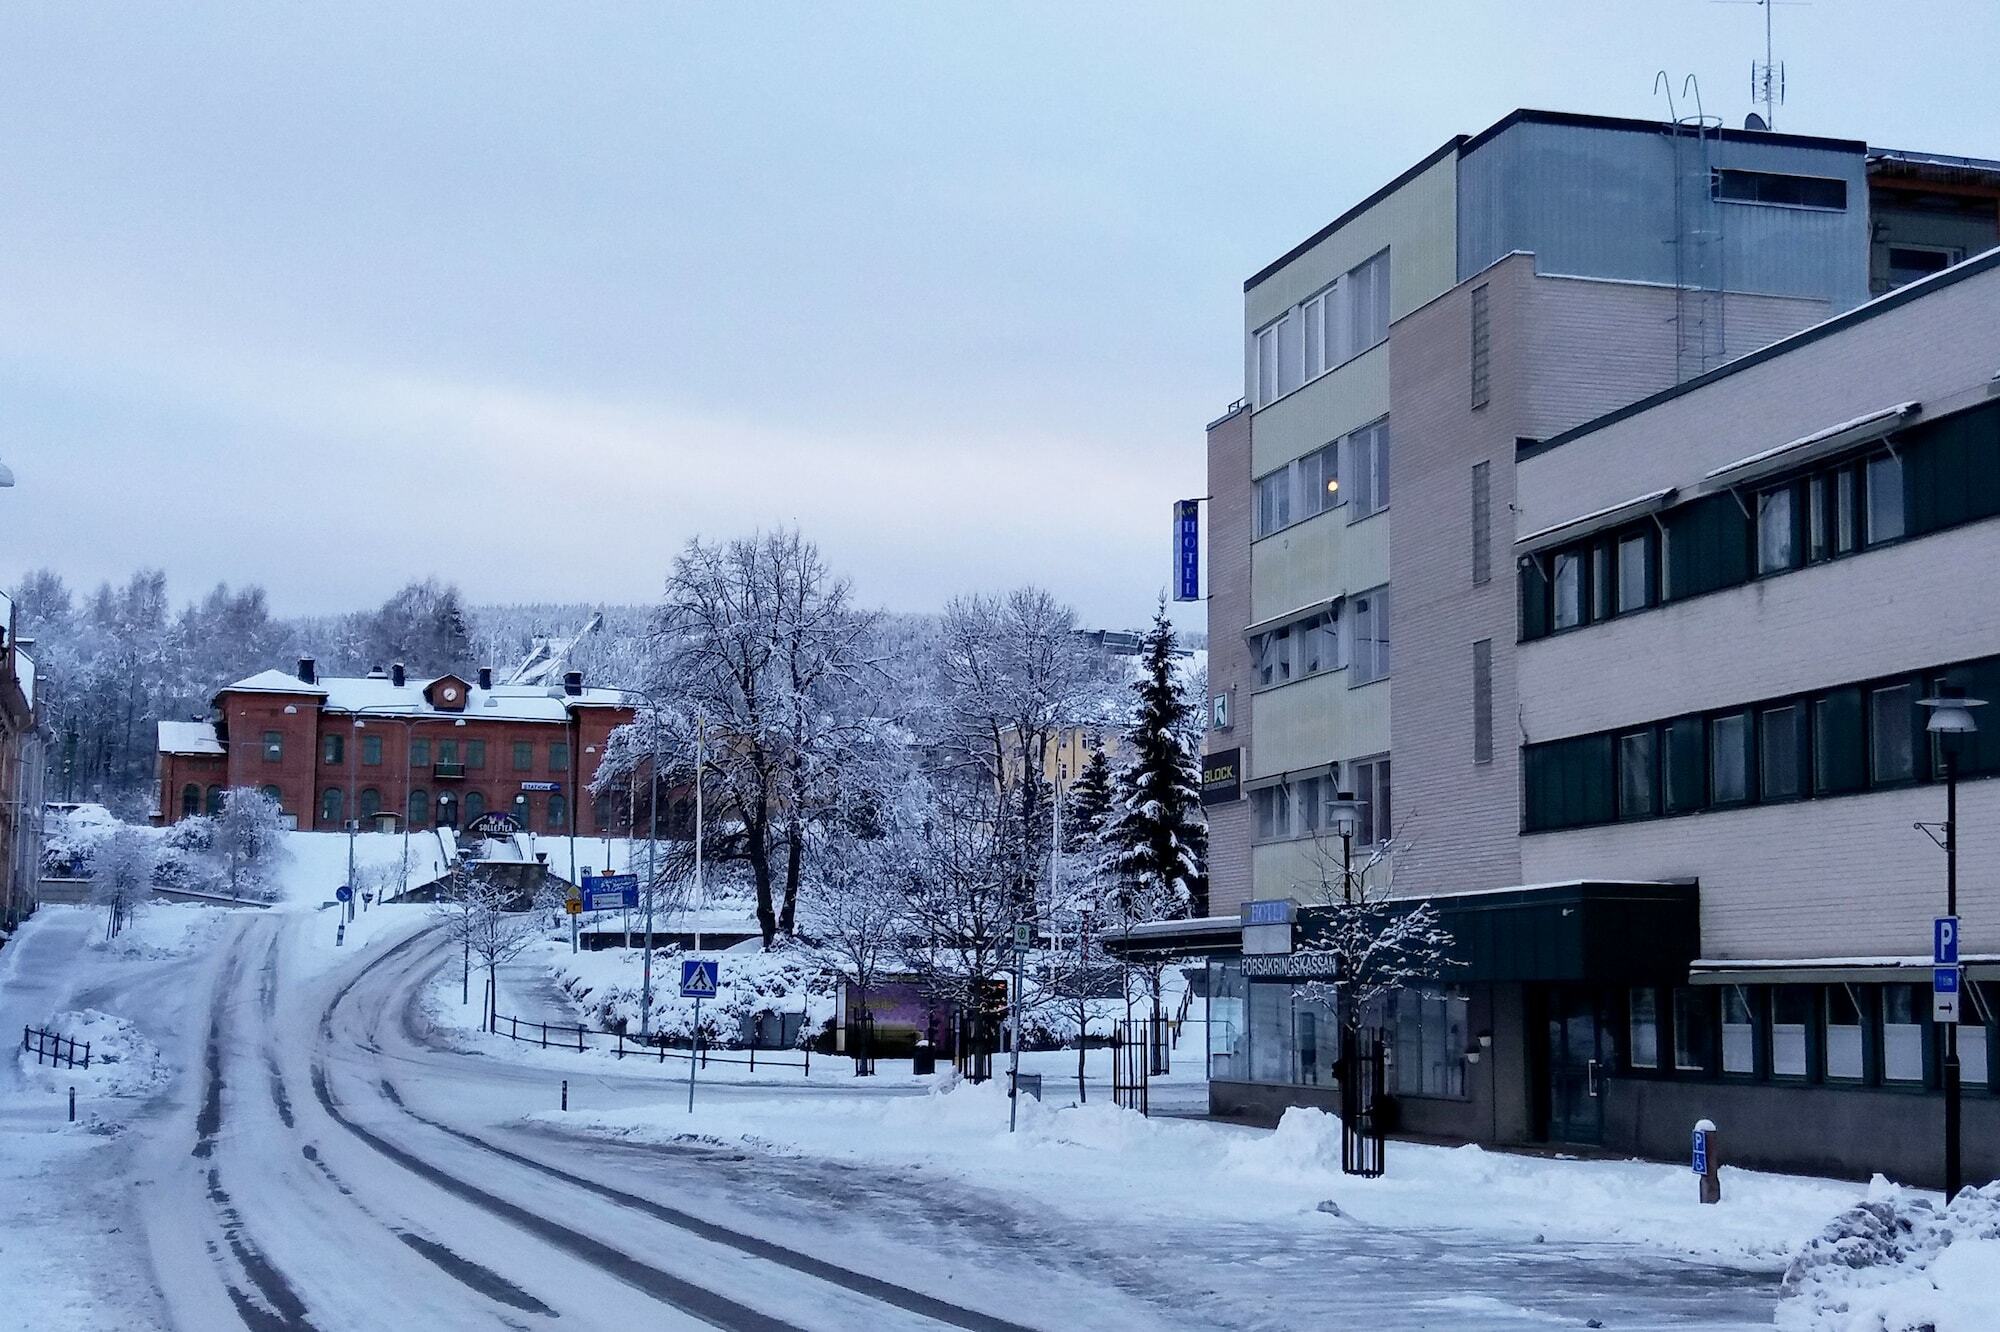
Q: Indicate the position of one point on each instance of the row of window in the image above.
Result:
(1298, 807)
(1276, 1033)
(1309, 486)
(450, 753)
(448, 810)
(1327, 329)
(1857, 737)
(1855, 1034)
(1327, 640)
(1929, 477)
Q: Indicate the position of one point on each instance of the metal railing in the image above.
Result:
(60, 1050)
(559, 1036)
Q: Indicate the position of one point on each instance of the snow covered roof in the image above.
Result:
(379, 694)
(188, 737)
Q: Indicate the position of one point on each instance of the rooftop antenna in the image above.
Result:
(1767, 79)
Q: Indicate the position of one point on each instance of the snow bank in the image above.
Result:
(122, 1062)
(607, 985)
(1900, 1263)
(159, 931)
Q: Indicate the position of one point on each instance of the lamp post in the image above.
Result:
(407, 717)
(1343, 815)
(1950, 720)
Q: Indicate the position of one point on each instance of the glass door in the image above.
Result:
(1578, 1058)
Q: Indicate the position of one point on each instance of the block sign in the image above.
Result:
(698, 977)
(1187, 550)
(1221, 777)
(1699, 1162)
(610, 892)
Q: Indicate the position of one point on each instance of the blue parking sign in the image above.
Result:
(1944, 941)
(1700, 1162)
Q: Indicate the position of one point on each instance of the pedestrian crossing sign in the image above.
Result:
(698, 976)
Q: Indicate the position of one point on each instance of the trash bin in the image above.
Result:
(924, 1060)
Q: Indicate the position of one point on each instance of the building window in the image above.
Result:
(1305, 647)
(1301, 489)
(1482, 346)
(1846, 511)
(1892, 756)
(524, 756)
(1482, 523)
(1635, 572)
(1777, 535)
(212, 801)
(1739, 1031)
(1368, 469)
(1370, 779)
(1429, 1031)
(420, 753)
(1366, 287)
(1885, 499)
(272, 794)
(330, 802)
(419, 807)
(274, 746)
(1370, 658)
(1482, 701)
(371, 750)
(1319, 480)
(475, 806)
(1912, 263)
(1694, 1031)
(1791, 1015)
(1645, 1027)
(1903, 1033)
(1271, 808)
(1840, 761)
(333, 747)
(1844, 1027)
(1274, 501)
(1973, 1033)
(447, 753)
(190, 800)
(475, 753)
(558, 756)
(1687, 765)
(371, 802)
(1731, 185)
(1568, 590)
(558, 813)
(1638, 774)
(1729, 759)
(1781, 736)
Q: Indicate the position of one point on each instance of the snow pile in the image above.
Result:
(607, 985)
(122, 1062)
(160, 931)
(1900, 1263)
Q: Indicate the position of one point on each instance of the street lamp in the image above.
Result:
(1950, 721)
(407, 716)
(1343, 816)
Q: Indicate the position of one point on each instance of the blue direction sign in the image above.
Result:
(1187, 550)
(698, 976)
(610, 892)
(1944, 941)
(343, 894)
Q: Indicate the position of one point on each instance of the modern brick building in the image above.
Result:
(388, 748)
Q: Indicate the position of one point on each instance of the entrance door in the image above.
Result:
(1579, 1032)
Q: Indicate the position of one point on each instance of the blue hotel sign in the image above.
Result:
(1187, 550)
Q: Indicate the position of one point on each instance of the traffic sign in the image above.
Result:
(1944, 941)
(610, 892)
(1944, 994)
(343, 894)
(573, 905)
(1699, 1163)
(1024, 936)
(698, 977)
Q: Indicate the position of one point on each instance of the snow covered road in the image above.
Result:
(332, 1158)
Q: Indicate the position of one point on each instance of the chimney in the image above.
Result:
(485, 677)
(573, 683)
(377, 673)
(396, 674)
(308, 674)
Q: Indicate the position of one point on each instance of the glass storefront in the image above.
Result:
(1279, 1031)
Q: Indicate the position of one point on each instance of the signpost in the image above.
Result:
(1024, 935)
(1187, 550)
(699, 976)
(610, 892)
(1704, 1162)
(573, 904)
(1944, 970)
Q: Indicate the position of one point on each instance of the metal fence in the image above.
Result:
(58, 1050)
(558, 1036)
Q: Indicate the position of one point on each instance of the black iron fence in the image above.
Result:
(58, 1050)
(560, 1036)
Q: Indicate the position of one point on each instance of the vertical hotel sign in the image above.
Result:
(1187, 550)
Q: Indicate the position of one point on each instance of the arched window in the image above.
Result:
(601, 810)
(475, 806)
(420, 807)
(447, 810)
(190, 800)
(371, 802)
(275, 794)
(558, 813)
(332, 806)
(212, 803)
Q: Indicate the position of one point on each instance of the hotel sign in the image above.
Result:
(1267, 926)
(1222, 777)
(1187, 550)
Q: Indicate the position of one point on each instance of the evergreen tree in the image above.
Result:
(1157, 836)
(1088, 804)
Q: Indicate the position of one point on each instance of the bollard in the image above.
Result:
(72, 1105)
(565, 1094)
(1707, 1162)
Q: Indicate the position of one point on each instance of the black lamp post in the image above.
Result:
(1343, 815)
(1951, 720)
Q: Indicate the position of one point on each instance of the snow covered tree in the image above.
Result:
(424, 625)
(1087, 805)
(1158, 837)
(479, 917)
(249, 843)
(121, 875)
(854, 906)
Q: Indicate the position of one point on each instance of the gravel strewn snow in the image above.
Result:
(1898, 1262)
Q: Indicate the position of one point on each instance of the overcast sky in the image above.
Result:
(327, 297)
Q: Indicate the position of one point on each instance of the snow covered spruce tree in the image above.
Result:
(121, 874)
(1157, 835)
(757, 645)
(1087, 805)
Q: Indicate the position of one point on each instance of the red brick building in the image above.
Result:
(387, 747)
